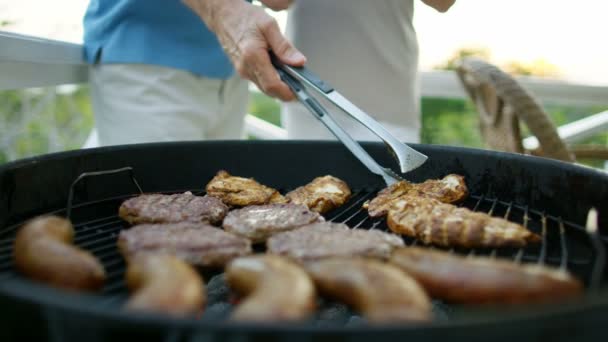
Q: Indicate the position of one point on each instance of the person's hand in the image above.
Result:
(247, 33)
(277, 5)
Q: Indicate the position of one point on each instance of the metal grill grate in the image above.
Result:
(565, 245)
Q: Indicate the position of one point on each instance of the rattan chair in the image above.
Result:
(502, 103)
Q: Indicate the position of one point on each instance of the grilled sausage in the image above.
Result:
(322, 194)
(476, 280)
(382, 292)
(449, 189)
(43, 251)
(165, 284)
(443, 224)
(275, 288)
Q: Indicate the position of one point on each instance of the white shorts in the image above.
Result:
(137, 103)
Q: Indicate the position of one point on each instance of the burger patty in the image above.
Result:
(259, 222)
(160, 208)
(326, 239)
(196, 243)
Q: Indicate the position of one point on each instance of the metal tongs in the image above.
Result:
(297, 78)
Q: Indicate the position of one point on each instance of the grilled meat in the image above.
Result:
(195, 243)
(165, 284)
(442, 224)
(43, 251)
(322, 194)
(479, 279)
(382, 292)
(322, 240)
(450, 189)
(239, 191)
(159, 208)
(259, 222)
(276, 289)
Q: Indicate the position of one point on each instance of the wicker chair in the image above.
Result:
(502, 102)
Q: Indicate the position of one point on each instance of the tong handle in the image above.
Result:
(302, 72)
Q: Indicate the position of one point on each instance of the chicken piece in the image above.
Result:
(195, 243)
(259, 222)
(43, 251)
(322, 240)
(450, 189)
(164, 284)
(275, 289)
(159, 208)
(240, 192)
(382, 292)
(322, 194)
(476, 280)
(433, 222)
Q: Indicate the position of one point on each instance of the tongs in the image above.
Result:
(299, 78)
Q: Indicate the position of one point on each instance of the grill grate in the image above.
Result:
(565, 245)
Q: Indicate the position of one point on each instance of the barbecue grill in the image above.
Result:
(550, 197)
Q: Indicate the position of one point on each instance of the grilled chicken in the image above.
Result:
(195, 243)
(322, 240)
(433, 222)
(240, 192)
(382, 292)
(479, 279)
(164, 284)
(450, 189)
(276, 289)
(43, 251)
(159, 208)
(322, 194)
(259, 222)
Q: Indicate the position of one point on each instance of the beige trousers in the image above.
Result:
(136, 103)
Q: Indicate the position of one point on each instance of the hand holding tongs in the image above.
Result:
(295, 77)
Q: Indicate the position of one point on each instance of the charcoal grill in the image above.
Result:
(550, 197)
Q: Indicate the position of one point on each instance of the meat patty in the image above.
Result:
(322, 240)
(259, 222)
(382, 292)
(484, 280)
(450, 189)
(195, 243)
(322, 194)
(240, 192)
(159, 208)
(443, 224)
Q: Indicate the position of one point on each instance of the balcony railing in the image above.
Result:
(33, 62)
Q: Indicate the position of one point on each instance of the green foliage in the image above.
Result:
(452, 62)
(265, 108)
(449, 122)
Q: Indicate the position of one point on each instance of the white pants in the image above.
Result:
(136, 103)
(300, 124)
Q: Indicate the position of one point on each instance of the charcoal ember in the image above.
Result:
(218, 311)
(217, 290)
(332, 314)
(441, 311)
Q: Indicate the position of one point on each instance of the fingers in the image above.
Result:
(281, 47)
(267, 78)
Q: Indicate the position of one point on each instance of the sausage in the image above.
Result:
(43, 251)
(163, 283)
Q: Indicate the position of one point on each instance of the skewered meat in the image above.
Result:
(442, 224)
(322, 194)
(382, 292)
(276, 289)
(259, 222)
(322, 240)
(43, 251)
(165, 284)
(239, 191)
(482, 279)
(450, 189)
(159, 208)
(195, 243)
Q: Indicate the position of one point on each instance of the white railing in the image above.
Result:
(33, 62)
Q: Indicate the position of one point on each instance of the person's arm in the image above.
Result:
(246, 33)
(440, 5)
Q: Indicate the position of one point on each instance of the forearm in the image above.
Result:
(210, 11)
(440, 5)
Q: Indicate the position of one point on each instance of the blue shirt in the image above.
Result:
(158, 32)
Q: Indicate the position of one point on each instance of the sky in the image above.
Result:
(568, 34)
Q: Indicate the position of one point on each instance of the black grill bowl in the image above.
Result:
(561, 192)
